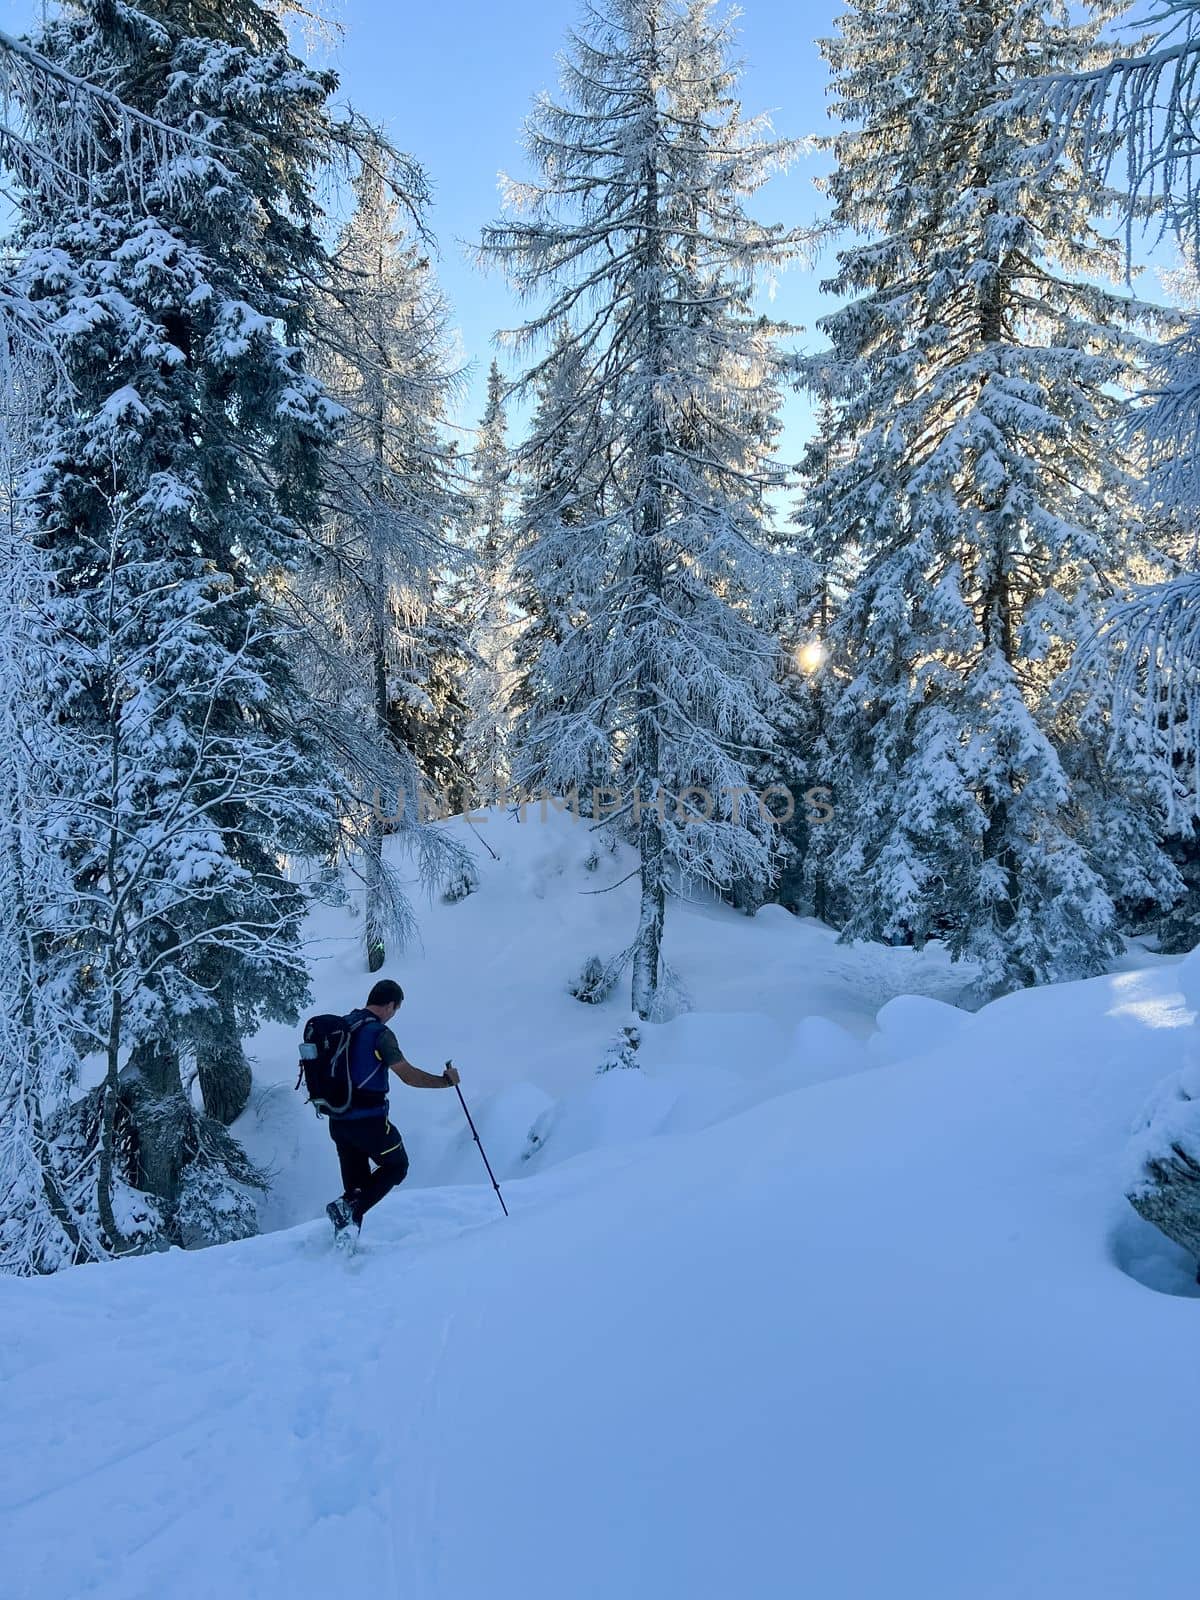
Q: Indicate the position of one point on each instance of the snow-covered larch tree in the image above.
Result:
(981, 478)
(379, 628)
(635, 236)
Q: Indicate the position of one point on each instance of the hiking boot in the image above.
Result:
(342, 1217)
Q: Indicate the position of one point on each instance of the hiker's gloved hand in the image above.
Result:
(451, 1074)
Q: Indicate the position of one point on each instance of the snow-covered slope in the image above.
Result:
(882, 1336)
(776, 1001)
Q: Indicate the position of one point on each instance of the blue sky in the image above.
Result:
(452, 80)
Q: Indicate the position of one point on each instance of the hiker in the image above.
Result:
(363, 1135)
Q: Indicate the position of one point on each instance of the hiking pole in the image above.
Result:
(479, 1142)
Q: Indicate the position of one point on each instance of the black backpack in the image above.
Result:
(325, 1063)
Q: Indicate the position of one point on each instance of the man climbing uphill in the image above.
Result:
(363, 1135)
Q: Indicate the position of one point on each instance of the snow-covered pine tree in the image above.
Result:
(560, 465)
(48, 143)
(784, 769)
(429, 713)
(977, 362)
(636, 235)
(485, 751)
(813, 684)
(49, 121)
(1145, 657)
(41, 1227)
(622, 1052)
(1137, 109)
(166, 495)
(395, 503)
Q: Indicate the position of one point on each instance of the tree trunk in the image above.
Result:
(224, 1072)
(376, 950)
(998, 625)
(647, 951)
(108, 1121)
(375, 947)
(25, 980)
(154, 1091)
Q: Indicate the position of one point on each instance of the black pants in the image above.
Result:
(361, 1142)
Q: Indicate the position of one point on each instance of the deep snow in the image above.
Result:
(807, 1307)
(777, 1003)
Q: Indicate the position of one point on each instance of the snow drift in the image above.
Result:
(889, 1334)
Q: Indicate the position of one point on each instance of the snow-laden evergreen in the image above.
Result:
(382, 646)
(41, 1224)
(981, 479)
(167, 489)
(61, 130)
(1135, 110)
(553, 570)
(634, 236)
(398, 496)
(1132, 108)
(812, 688)
(489, 678)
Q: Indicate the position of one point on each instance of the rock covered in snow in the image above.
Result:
(1163, 1184)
